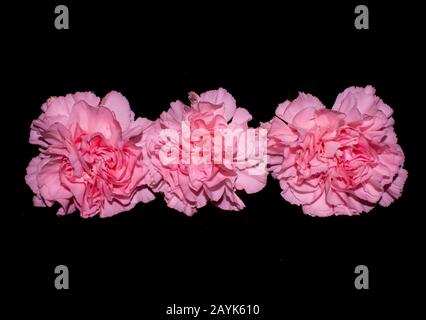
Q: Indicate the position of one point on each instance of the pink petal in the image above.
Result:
(250, 183)
(33, 170)
(119, 105)
(218, 97)
(289, 109)
(241, 116)
(395, 189)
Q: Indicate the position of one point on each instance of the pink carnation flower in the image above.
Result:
(205, 153)
(89, 159)
(339, 161)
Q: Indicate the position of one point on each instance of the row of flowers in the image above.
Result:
(96, 157)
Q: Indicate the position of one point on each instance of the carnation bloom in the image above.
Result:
(339, 161)
(89, 159)
(205, 152)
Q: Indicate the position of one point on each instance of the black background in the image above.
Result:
(137, 263)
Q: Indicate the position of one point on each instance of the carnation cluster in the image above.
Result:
(97, 158)
(342, 160)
